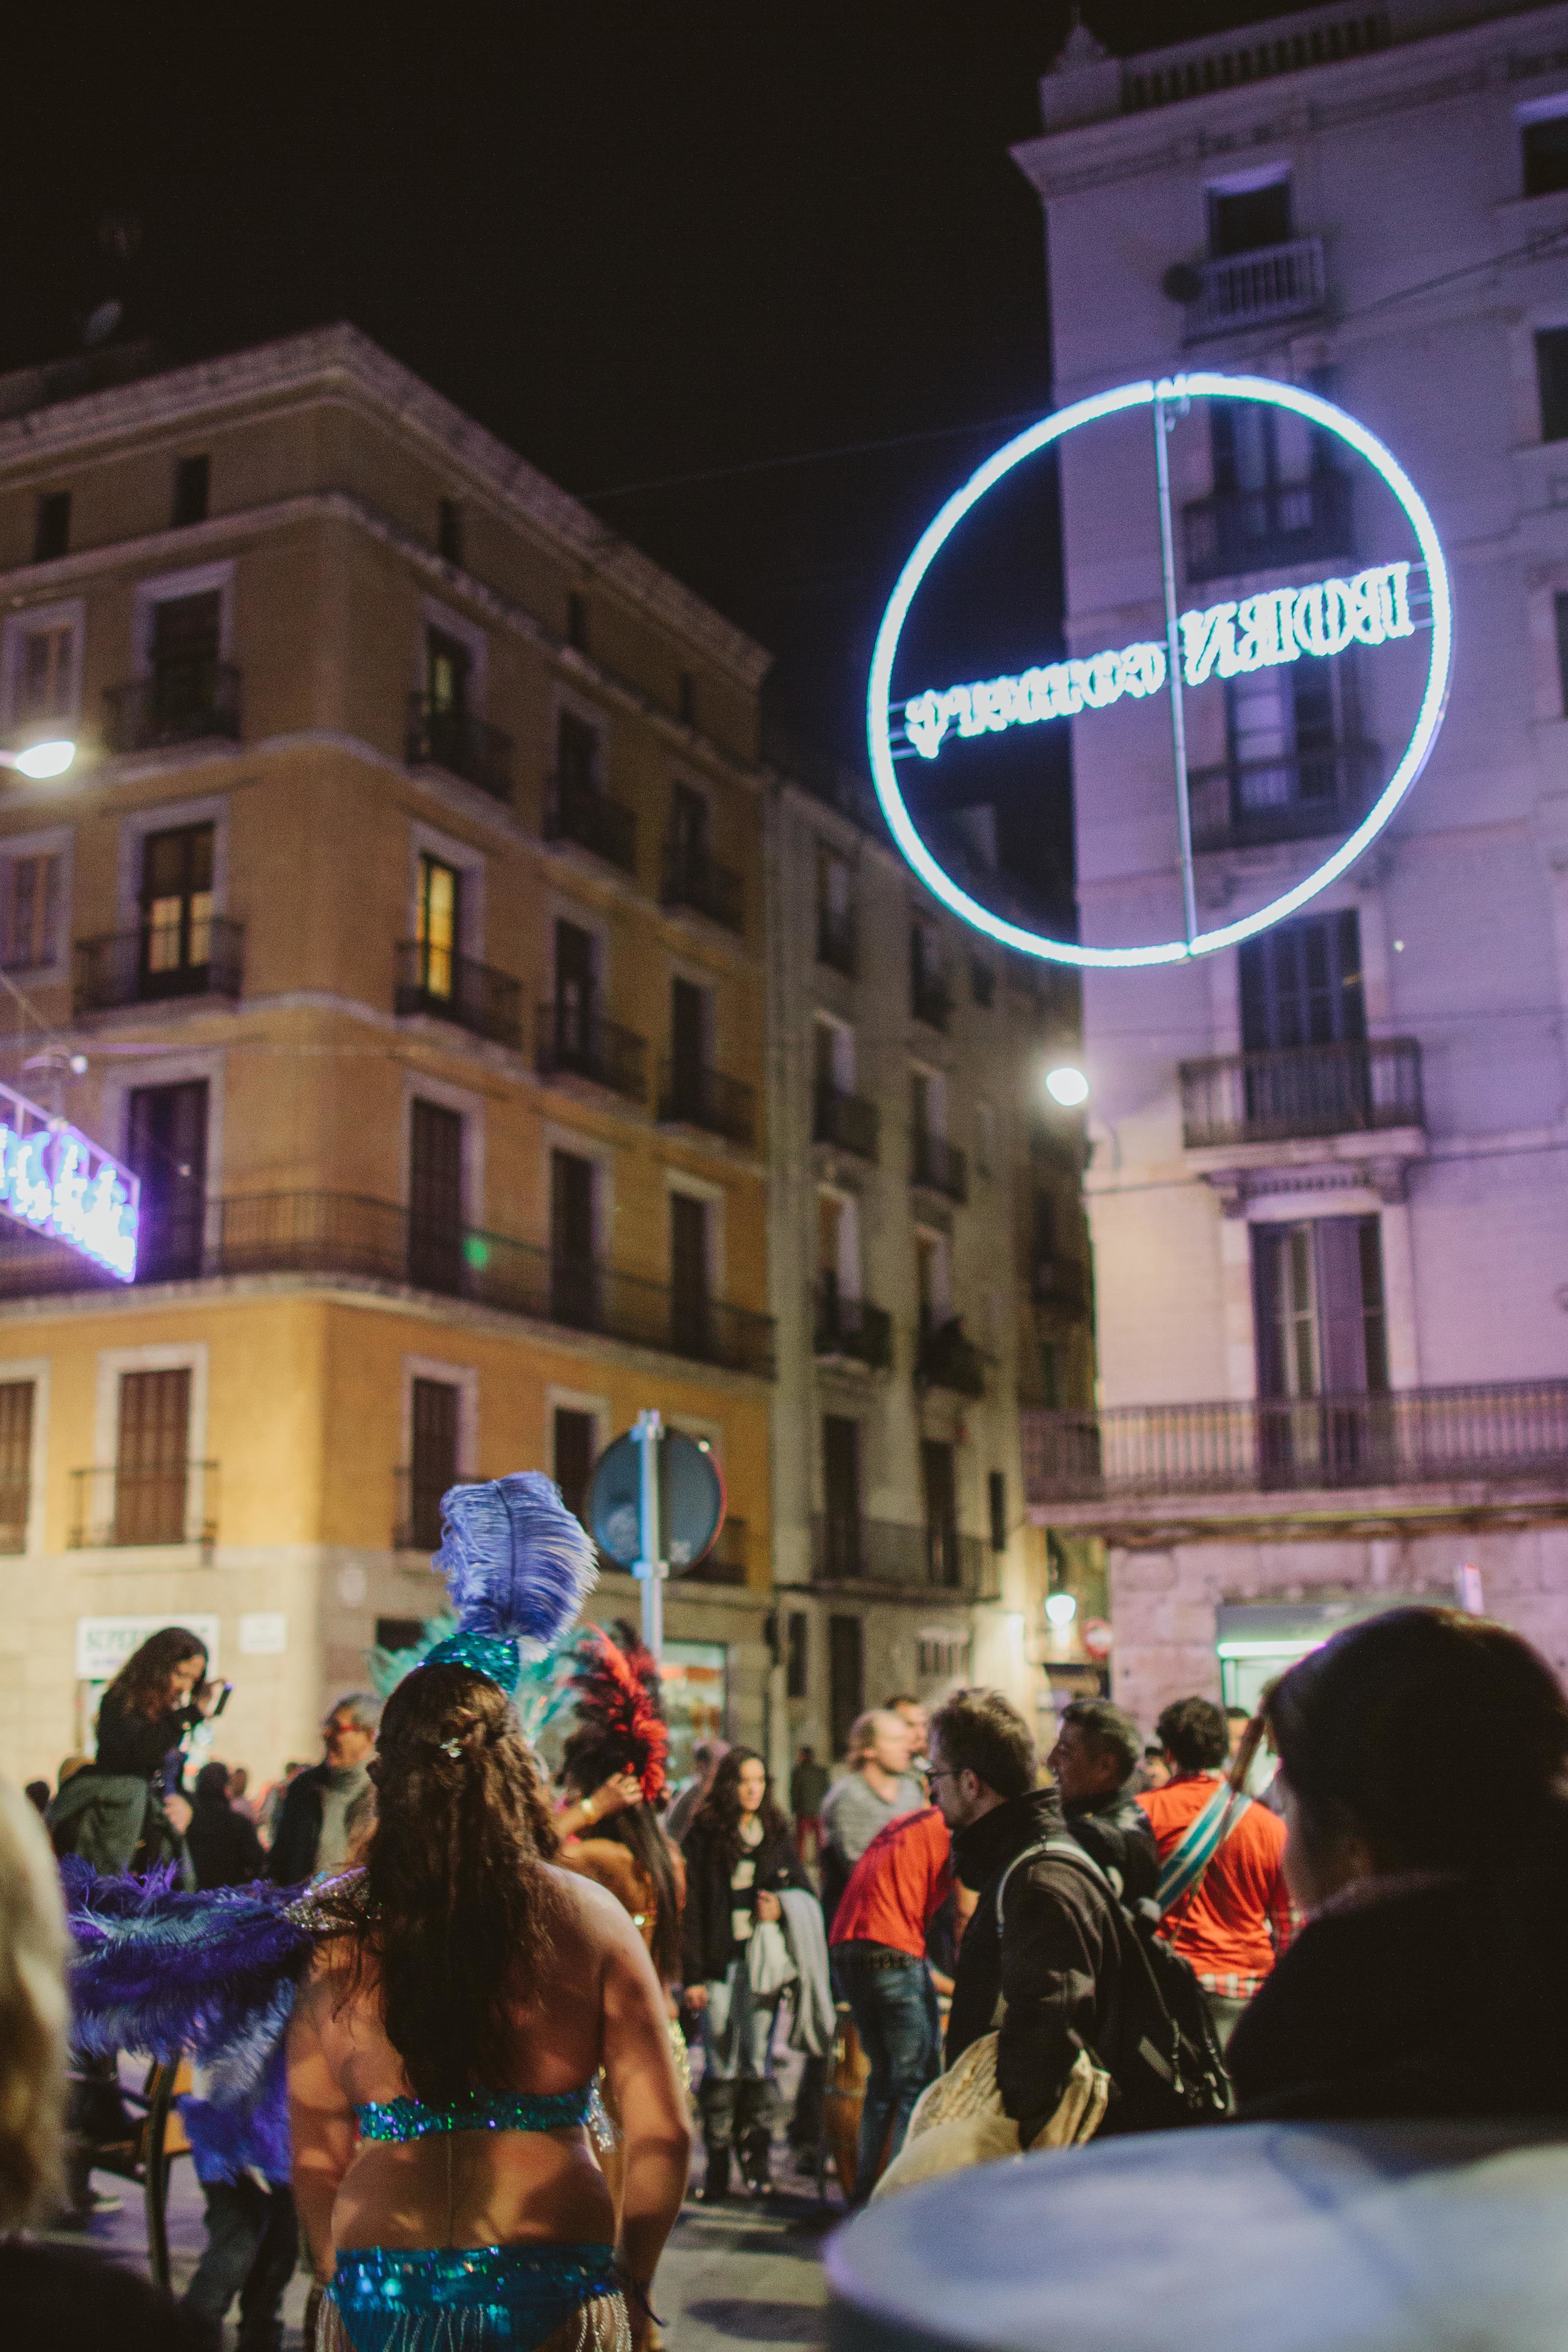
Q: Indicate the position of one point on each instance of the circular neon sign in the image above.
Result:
(1283, 624)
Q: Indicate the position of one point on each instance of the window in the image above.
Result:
(1051, 1376)
(575, 989)
(190, 499)
(982, 982)
(939, 1486)
(449, 530)
(186, 641)
(834, 914)
(16, 1463)
(985, 1138)
(996, 1508)
(845, 1678)
(32, 912)
(1289, 733)
(151, 1459)
(688, 1272)
(686, 698)
(448, 665)
(1543, 144)
(928, 986)
(932, 1282)
(435, 1196)
(438, 924)
(574, 1435)
(841, 1547)
(688, 824)
(690, 1020)
(44, 685)
(176, 910)
(396, 1633)
(166, 1145)
(1245, 219)
(577, 621)
(1302, 984)
(1552, 375)
(1318, 1291)
(574, 1273)
(433, 1458)
(576, 754)
(795, 1654)
(52, 526)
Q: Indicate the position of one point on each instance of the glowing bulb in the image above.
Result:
(1068, 1086)
(42, 759)
(1060, 1609)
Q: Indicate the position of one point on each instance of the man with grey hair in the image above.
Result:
(1093, 1764)
(877, 1787)
(316, 1825)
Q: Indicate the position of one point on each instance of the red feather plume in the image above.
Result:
(619, 1690)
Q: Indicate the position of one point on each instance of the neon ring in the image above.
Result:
(1039, 436)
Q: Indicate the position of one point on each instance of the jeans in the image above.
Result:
(894, 2006)
(253, 2244)
(1225, 2013)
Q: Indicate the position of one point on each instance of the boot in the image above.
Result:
(716, 2180)
(756, 2162)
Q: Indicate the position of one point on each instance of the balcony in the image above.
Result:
(690, 1095)
(569, 1043)
(174, 1503)
(851, 1329)
(930, 999)
(144, 966)
(726, 1563)
(693, 878)
(835, 940)
(465, 746)
(1361, 1088)
(845, 1120)
(1278, 528)
(453, 988)
(1258, 289)
(938, 1165)
(187, 700)
(1062, 1283)
(908, 1562)
(578, 811)
(947, 1360)
(1177, 1455)
(1246, 804)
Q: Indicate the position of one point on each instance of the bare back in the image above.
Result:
(598, 2003)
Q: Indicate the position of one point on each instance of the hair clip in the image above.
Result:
(452, 1746)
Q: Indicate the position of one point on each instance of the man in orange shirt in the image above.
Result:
(879, 1967)
(1222, 1877)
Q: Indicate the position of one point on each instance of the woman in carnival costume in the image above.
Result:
(613, 1765)
(459, 1996)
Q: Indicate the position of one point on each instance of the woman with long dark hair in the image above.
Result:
(443, 2052)
(613, 1765)
(1422, 1757)
(114, 1812)
(740, 1853)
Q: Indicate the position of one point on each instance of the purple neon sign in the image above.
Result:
(58, 1182)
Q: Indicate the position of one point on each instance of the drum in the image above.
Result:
(843, 2099)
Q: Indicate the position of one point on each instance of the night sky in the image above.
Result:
(636, 241)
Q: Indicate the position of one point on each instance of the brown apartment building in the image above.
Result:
(404, 907)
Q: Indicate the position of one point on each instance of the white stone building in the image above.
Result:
(928, 1267)
(1328, 1189)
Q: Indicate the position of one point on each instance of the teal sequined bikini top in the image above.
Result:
(524, 2111)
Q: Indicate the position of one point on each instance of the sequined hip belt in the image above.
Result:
(465, 2298)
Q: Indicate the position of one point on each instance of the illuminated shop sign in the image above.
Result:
(1317, 620)
(58, 1182)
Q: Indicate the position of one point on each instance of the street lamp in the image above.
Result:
(41, 759)
(1060, 1610)
(1068, 1086)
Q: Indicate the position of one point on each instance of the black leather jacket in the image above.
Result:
(1114, 1831)
(708, 1944)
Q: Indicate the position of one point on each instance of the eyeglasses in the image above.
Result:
(942, 1772)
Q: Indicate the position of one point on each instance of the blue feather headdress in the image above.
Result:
(544, 1689)
(518, 1567)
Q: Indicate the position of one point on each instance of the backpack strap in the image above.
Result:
(1183, 1871)
(1065, 1850)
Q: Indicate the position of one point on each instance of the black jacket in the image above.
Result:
(1056, 1964)
(1441, 1999)
(1115, 1832)
(299, 1831)
(707, 1945)
(223, 1845)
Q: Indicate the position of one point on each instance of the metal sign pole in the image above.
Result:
(651, 1568)
(1163, 424)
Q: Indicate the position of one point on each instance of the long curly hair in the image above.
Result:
(718, 1816)
(142, 1685)
(455, 1904)
(621, 1728)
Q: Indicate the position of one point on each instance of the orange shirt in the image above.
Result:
(1237, 1922)
(897, 1885)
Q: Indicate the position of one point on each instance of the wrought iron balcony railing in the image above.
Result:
(851, 1328)
(1253, 289)
(939, 1165)
(1404, 1437)
(454, 988)
(465, 746)
(1244, 803)
(579, 812)
(185, 700)
(849, 1549)
(569, 1043)
(348, 1236)
(845, 1119)
(1355, 1089)
(726, 1563)
(694, 878)
(947, 1360)
(691, 1095)
(1269, 529)
(835, 939)
(172, 1503)
(144, 966)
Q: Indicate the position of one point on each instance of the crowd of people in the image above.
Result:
(510, 1984)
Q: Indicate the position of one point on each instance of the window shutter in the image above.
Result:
(1340, 1336)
